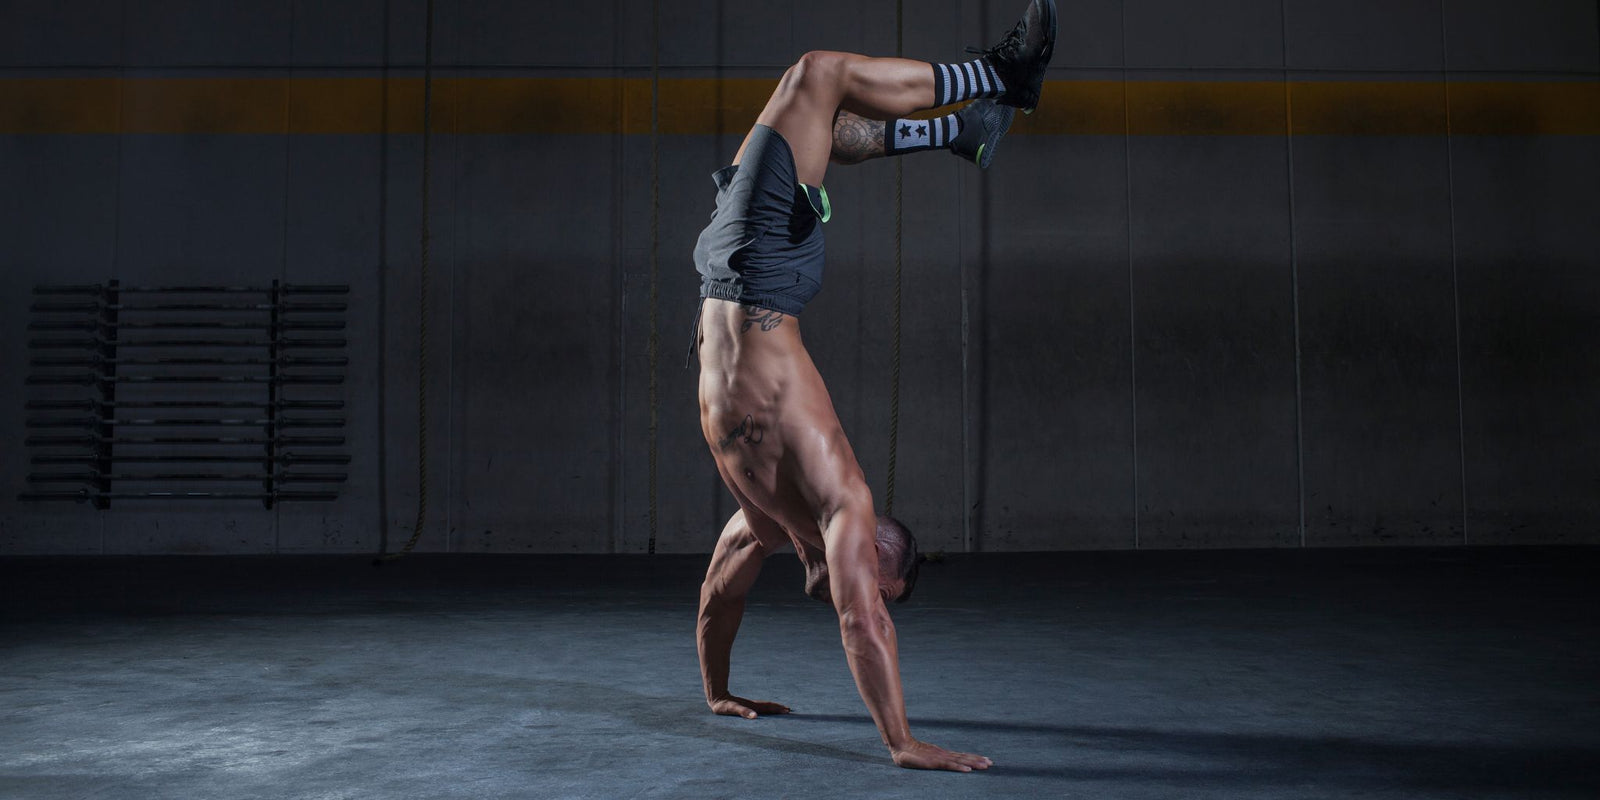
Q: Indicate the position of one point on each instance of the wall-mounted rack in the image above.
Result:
(158, 380)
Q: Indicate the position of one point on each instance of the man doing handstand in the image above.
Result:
(764, 410)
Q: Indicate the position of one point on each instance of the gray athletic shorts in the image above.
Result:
(764, 244)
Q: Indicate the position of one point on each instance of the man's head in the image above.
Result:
(898, 564)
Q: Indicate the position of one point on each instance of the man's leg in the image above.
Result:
(972, 133)
(803, 107)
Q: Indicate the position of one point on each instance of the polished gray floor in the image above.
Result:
(1467, 673)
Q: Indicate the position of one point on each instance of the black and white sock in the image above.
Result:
(903, 136)
(971, 80)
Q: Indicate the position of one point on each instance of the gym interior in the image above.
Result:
(1244, 405)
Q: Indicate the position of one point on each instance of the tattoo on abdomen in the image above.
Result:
(856, 138)
(746, 430)
(765, 317)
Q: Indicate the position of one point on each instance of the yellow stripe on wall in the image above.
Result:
(701, 106)
(1200, 108)
(1528, 108)
(1368, 109)
(59, 105)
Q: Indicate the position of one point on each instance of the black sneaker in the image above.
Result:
(1020, 57)
(983, 122)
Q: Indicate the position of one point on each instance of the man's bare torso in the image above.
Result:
(767, 417)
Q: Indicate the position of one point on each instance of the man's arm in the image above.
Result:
(734, 566)
(873, 654)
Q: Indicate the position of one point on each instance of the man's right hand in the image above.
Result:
(731, 706)
(921, 755)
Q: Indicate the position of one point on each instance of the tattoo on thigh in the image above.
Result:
(746, 430)
(765, 317)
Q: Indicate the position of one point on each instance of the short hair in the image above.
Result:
(897, 554)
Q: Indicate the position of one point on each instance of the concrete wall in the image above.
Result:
(1198, 301)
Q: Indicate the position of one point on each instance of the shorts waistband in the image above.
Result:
(735, 293)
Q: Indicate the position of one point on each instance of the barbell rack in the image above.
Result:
(153, 392)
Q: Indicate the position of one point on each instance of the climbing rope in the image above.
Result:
(655, 249)
(899, 233)
(424, 281)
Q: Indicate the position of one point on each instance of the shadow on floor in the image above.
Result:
(1254, 760)
(674, 717)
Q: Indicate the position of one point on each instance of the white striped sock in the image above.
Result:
(910, 135)
(969, 80)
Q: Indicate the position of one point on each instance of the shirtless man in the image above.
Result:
(764, 410)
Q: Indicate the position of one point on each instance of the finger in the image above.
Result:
(732, 709)
(968, 761)
(966, 757)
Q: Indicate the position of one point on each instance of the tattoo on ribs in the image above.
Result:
(746, 430)
(856, 138)
(765, 317)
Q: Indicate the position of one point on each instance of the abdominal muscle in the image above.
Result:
(766, 415)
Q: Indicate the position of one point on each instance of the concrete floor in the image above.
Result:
(1471, 673)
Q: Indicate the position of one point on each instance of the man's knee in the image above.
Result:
(816, 69)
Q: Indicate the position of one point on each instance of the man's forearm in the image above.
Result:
(871, 650)
(714, 632)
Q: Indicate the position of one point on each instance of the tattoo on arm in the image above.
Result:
(746, 430)
(765, 317)
(856, 138)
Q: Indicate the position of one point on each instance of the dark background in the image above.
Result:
(1206, 336)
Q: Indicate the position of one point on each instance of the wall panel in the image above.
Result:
(63, 230)
(39, 33)
(332, 235)
(1181, 34)
(1550, 35)
(532, 444)
(1213, 342)
(350, 33)
(1381, 426)
(1526, 215)
(509, 33)
(1058, 411)
(198, 33)
(1364, 34)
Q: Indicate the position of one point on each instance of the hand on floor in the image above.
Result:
(749, 709)
(921, 755)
